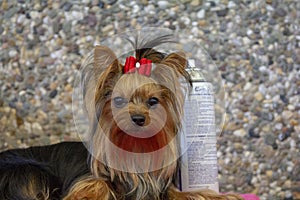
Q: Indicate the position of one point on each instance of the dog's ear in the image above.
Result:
(103, 57)
(94, 65)
(171, 74)
(177, 62)
(172, 67)
(98, 73)
(106, 61)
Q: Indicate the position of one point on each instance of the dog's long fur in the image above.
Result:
(110, 168)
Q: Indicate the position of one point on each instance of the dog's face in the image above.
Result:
(134, 118)
(138, 110)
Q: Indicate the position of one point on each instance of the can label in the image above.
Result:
(199, 167)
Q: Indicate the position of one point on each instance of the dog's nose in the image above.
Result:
(138, 119)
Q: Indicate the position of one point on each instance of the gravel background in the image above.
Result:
(255, 44)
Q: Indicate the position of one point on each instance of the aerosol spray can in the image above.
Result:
(198, 165)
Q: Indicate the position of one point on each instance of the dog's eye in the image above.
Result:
(152, 102)
(107, 93)
(120, 102)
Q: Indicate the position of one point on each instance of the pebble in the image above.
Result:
(248, 86)
(68, 88)
(280, 12)
(111, 2)
(107, 28)
(240, 133)
(259, 96)
(270, 139)
(222, 13)
(269, 173)
(163, 4)
(12, 53)
(67, 26)
(246, 41)
(278, 126)
(231, 4)
(201, 14)
(11, 12)
(286, 114)
(283, 136)
(253, 132)
(269, 1)
(53, 93)
(67, 6)
(195, 2)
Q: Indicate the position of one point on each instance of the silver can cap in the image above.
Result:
(194, 72)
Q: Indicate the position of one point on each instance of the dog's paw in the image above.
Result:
(89, 189)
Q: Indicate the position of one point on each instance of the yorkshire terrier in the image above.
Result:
(135, 112)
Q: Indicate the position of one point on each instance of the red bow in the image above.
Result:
(143, 67)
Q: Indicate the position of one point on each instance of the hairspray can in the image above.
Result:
(198, 163)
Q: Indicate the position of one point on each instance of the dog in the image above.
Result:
(132, 151)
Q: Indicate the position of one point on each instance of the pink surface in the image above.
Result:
(249, 197)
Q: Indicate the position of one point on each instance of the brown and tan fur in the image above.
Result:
(102, 80)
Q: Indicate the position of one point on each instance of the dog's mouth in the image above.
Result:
(147, 127)
(140, 132)
(139, 139)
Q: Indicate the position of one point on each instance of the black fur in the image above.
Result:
(25, 174)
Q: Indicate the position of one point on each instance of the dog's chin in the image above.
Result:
(139, 139)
